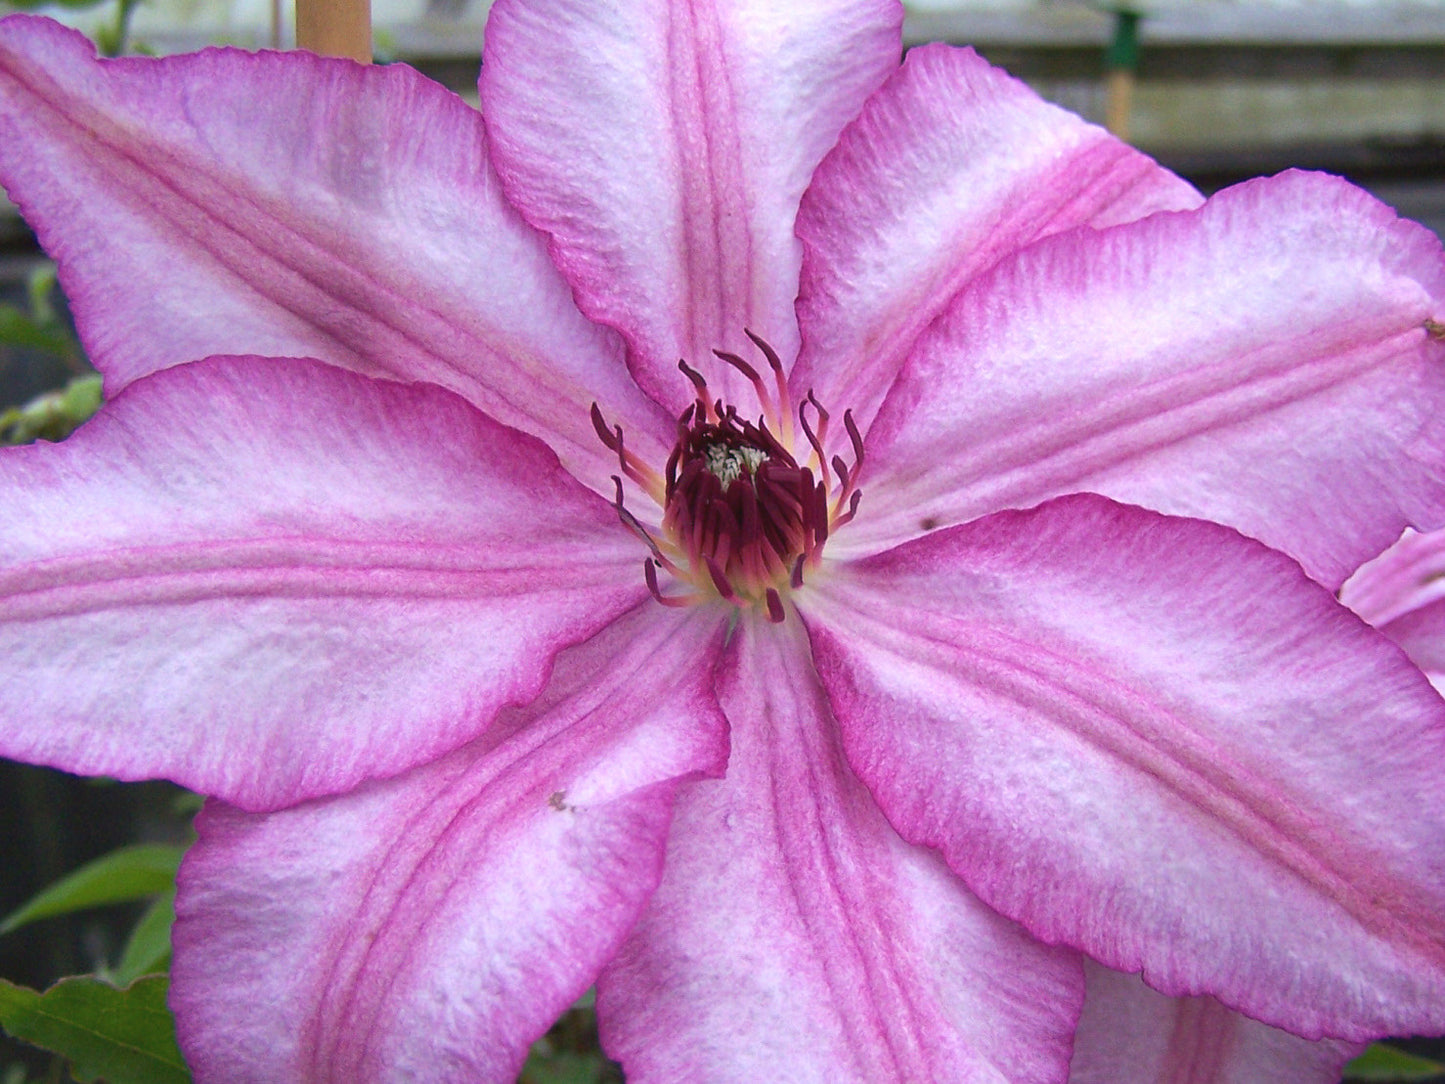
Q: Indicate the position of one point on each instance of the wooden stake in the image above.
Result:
(1118, 101)
(1121, 61)
(335, 28)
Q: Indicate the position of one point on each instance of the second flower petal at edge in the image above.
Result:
(1129, 1033)
(1159, 742)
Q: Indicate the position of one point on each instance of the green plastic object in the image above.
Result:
(1123, 51)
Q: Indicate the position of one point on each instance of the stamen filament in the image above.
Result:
(709, 410)
(649, 573)
(816, 439)
(785, 403)
(748, 371)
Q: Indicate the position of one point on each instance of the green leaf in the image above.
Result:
(1385, 1063)
(80, 399)
(564, 1067)
(19, 329)
(54, 415)
(126, 1036)
(130, 873)
(39, 285)
(149, 945)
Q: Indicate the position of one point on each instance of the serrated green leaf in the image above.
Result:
(1385, 1063)
(149, 945)
(131, 873)
(125, 1036)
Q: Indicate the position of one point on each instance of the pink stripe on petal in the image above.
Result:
(271, 579)
(796, 937)
(1263, 362)
(664, 145)
(1131, 1035)
(290, 205)
(951, 166)
(1159, 742)
(431, 926)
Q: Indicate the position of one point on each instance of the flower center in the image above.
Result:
(728, 463)
(744, 512)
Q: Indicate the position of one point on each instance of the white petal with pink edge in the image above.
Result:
(1402, 593)
(951, 166)
(269, 580)
(292, 205)
(431, 926)
(664, 145)
(1130, 1033)
(1263, 362)
(1160, 742)
(796, 937)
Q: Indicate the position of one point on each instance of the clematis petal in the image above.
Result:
(1159, 742)
(430, 926)
(664, 147)
(796, 937)
(290, 205)
(1129, 1032)
(952, 166)
(270, 579)
(1402, 593)
(1264, 362)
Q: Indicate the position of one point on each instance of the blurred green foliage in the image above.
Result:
(1386, 1064)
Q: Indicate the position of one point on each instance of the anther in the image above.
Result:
(604, 434)
(847, 517)
(764, 397)
(775, 606)
(649, 573)
(719, 579)
(785, 403)
(855, 437)
(816, 439)
(705, 407)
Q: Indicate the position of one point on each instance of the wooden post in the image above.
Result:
(335, 28)
(1120, 64)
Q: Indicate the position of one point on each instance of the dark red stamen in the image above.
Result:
(649, 573)
(816, 439)
(719, 579)
(775, 606)
(854, 437)
(599, 423)
(742, 517)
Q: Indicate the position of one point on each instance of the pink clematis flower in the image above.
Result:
(516, 658)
